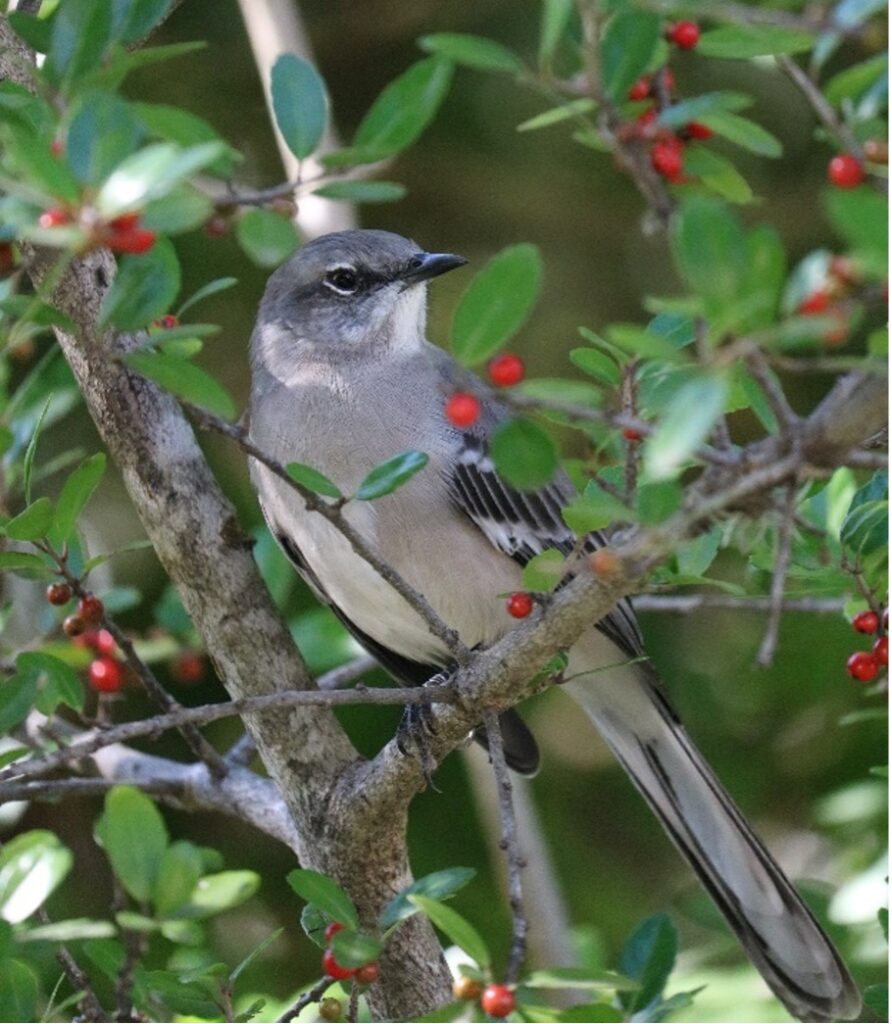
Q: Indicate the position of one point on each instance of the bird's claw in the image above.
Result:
(417, 726)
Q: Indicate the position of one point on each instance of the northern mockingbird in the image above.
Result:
(344, 379)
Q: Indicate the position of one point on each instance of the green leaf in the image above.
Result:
(555, 19)
(524, 454)
(143, 289)
(252, 956)
(744, 41)
(151, 173)
(580, 978)
(325, 893)
(313, 480)
(763, 282)
(852, 82)
(33, 522)
(18, 991)
(656, 502)
(17, 698)
(190, 999)
(31, 451)
(36, 32)
(438, 886)
(642, 343)
(405, 108)
(694, 557)
(544, 571)
(141, 17)
(627, 48)
(185, 380)
(595, 509)
(859, 216)
(472, 51)
(866, 527)
(28, 154)
(390, 475)
(266, 237)
(206, 291)
(76, 492)
(299, 103)
(134, 837)
(173, 124)
(557, 115)
(876, 999)
(81, 32)
(497, 303)
(22, 560)
(178, 873)
(56, 682)
(353, 949)
(596, 364)
(743, 132)
(682, 113)
(32, 865)
(102, 133)
(455, 928)
(648, 957)
(69, 930)
(602, 1013)
(691, 415)
(221, 891)
(363, 191)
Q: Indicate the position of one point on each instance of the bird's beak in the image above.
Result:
(425, 265)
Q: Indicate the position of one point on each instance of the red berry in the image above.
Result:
(696, 130)
(58, 593)
(630, 434)
(333, 930)
(862, 666)
(54, 218)
(166, 323)
(645, 119)
(497, 1000)
(815, 303)
(189, 667)
(367, 974)
(666, 159)
(506, 369)
(685, 35)
(105, 675)
(56, 147)
(7, 259)
(845, 171)
(641, 89)
(881, 650)
(73, 626)
(866, 622)
(134, 241)
(90, 609)
(333, 969)
(102, 641)
(519, 604)
(126, 222)
(462, 409)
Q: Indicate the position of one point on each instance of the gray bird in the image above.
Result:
(344, 379)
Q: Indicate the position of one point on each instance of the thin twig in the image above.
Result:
(89, 1003)
(787, 419)
(312, 995)
(332, 513)
(684, 604)
(513, 857)
(779, 578)
(629, 400)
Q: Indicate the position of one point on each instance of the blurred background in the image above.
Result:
(476, 185)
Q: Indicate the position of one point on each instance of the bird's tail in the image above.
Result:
(777, 930)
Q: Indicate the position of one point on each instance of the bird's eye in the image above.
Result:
(342, 280)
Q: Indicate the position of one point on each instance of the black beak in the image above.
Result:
(425, 265)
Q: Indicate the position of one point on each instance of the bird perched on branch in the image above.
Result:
(343, 380)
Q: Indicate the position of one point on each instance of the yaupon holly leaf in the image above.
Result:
(691, 414)
(325, 893)
(32, 865)
(183, 379)
(56, 682)
(353, 949)
(102, 133)
(439, 885)
(144, 288)
(455, 927)
(32, 522)
(313, 480)
(221, 891)
(648, 958)
(744, 41)
(299, 103)
(178, 873)
(472, 51)
(266, 237)
(582, 978)
(524, 454)
(627, 47)
(134, 837)
(362, 191)
(390, 475)
(76, 492)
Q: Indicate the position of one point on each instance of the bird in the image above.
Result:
(343, 378)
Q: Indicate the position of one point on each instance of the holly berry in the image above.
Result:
(367, 974)
(167, 322)
(133, 242)
(497, 1000)
(467, 988)
(630, 434)
(603, 562)
(862, 666)
(73, 626)
(666, 158)
(696, 130)
(90, 609)
(645, 119)
(845, 171)
(333, 969)
(105, 675)
(103, 642)
(685, 35)
(641, 89)
(331, 1009)
(333, 930)
(815, 303)
(188, 668)
(58, 593)
(126, 222)
(506, 369)
(881, 651)
(54, 218)
(866, 622)
(462, 409)
(876, 151)
(519, 604)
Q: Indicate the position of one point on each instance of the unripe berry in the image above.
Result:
(862, 666)
(506, 369)
(333, 930)
(467, 988)
(462, 409)
(333, 969)
(90, 609)
(845, 171)
(866, 622)
(367, 974)
(685, 35)
(881, 651)
(876, 151)
(497, 1000)
(73, 626)
(58, 593)
(603, 562)
(105, 675)
(331, 1009)
(519, 604)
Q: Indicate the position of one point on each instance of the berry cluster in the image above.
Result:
(865, 665)
(496, 1000)
(124, 234)
(463, 409)
(365, 975)
(105, 673)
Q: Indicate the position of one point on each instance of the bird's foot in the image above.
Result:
(416, 728)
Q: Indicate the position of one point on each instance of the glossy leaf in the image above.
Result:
(183, 128)
(682, 113)
(627, 48)
(266, 237)
(28, 154)
(743, 132)
(102, 133)
(134, 837)
(140, 17)
(299, 103)
(557, 115)
(438, 886)
(455, 928)
(744, 41)
(80, 34)
(353, 949)
(32, 865)
(497, 303)
(143, 289)
(222, 891)
(691, 415)
(69, 930)
(472, 51)
(55, 681)
(594, 510)
(648, 958)
(18, 991)
(206, 291)
(656, 502)
(363, 191)
(184, 208)
(325, 893)
(246, 962)
(596, 364)
(544, 571)
(524, 454)
(76, 492)
(556, 16)
(859, 216)
(580, 978)
(178, 873)
(185, 380)
(390, 475)
(17, 698)
(313, 480)
(33, 522)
